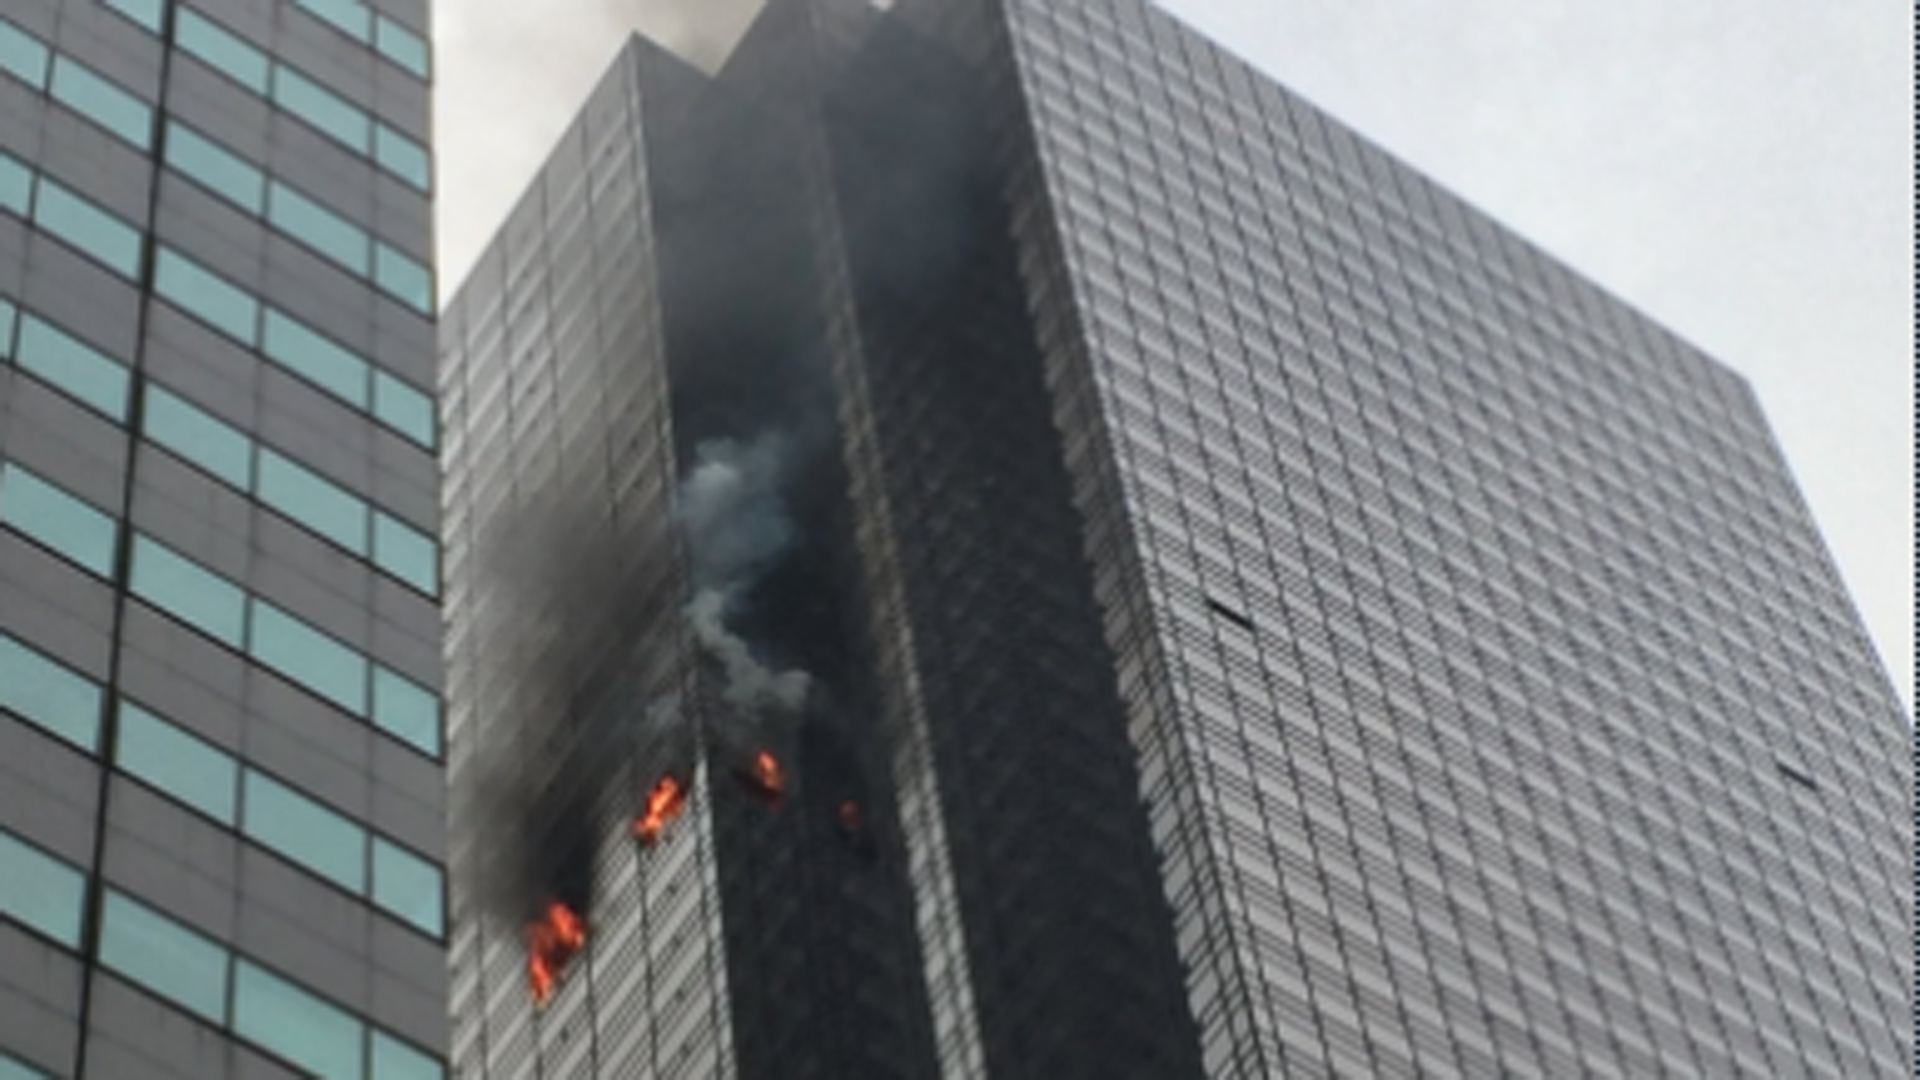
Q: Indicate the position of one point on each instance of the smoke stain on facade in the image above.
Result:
(923, 599)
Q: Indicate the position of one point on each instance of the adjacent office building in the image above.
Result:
(1219, 605)
(221, 810)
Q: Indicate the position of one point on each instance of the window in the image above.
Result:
(310, 658)
(403, 279)
(406, 553)
(198, 437)
(221, 50)
(325, 110)
(349, 16)
(194, 595)
(300, 1027)
(147, 13)
(12, 1068)
(313, 357)
(106, 104)
(23, 56)
(177, 763)
(395, 1060)
(402, 408)
(164, 956)
(404, 709)
(92, 230)
(65, 361)
(401, 45)
(9, 321)
(407, 885)
(316, 226)
(200, 293)
(50, 695)
(49, 515)
(304, 831)
(40, 892)
(314, 501)
(402, 157)
(16, 186)
(222, 171)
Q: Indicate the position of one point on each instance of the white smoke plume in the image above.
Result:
(737, 525)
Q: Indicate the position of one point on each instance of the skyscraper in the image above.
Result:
(222, 813)
(1218, 604)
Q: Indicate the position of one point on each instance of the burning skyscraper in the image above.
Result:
(987, 539)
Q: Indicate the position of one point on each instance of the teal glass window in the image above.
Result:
(198, 292)
(403, 157)
(74, 366)
(189, 592)
(224, 172)
(310, 658)
(407, 885)
(313, 500)
(327, 111)
(180, 764)
(197, 436)
(317, 227)
(71, 527)
(312, 357)
(407, 710)
(395, 1060)
(50, 695)
(406, 553)
(99, 100)
(402, 46)
(147, 13)
(321, 1038)
(12, 1068)
(160, 954)
(23, 56)
(16, 186)
(87, 227)
(349, 16)
(403, 279)
(39, 891)
(402, 408)
(304, 831)
(9, 321)
(221, 50)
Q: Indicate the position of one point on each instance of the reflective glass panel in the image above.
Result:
(183, 588)
(233, 177)
(350, 16)
(404, 708)
(101, 235)
(57, 519)
(307, 354)
(180, 764)
(317, 227)
(313, 500)
(221, 50)
(9, 320)
(304, 831)
(403, 279)
(198, 436)
(319, 1037)
(407, 885)
(402, 157)
(106, 104)
(16, 186)
(395, 1060)
(310, 658)
(12, 1068)
(39, 891)
(322, 108)
(74, 366)
(402, 408)
(402, 46)
(145, 12)
(199, 292)
(406, 553)
(164, 956)
(54, 697)
(23, 56)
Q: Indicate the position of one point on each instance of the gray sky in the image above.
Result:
(1739, 169)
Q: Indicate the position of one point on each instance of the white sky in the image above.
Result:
(1742, 170)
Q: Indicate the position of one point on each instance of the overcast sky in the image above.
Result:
(1739, 169)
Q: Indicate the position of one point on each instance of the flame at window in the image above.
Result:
(552, 942)
(664, 803)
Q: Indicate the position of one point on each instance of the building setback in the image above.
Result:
(1210, 603)
(222, 811)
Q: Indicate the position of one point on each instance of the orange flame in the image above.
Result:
(664, 803)
(763, 776)
(552, 941)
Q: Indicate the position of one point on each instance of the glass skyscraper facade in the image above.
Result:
(1222, 605)
(222, 812)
